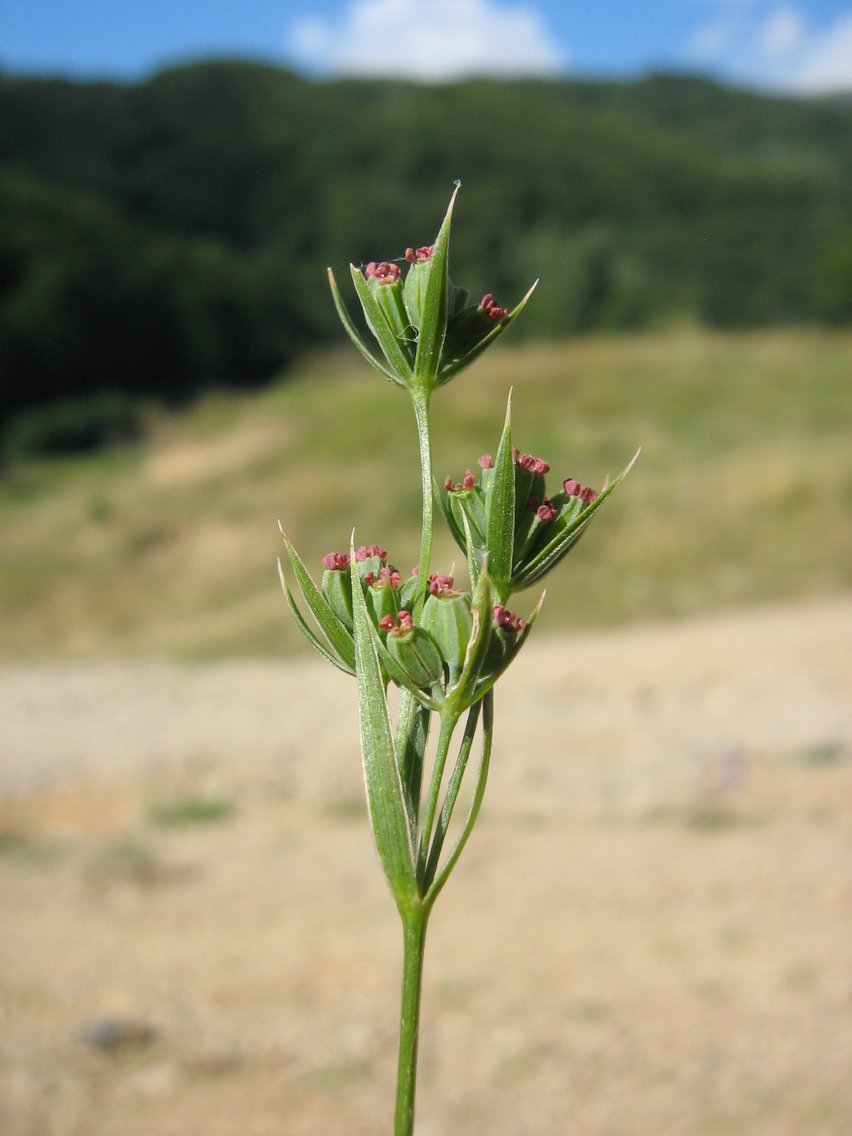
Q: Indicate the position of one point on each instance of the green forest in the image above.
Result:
(168, 236)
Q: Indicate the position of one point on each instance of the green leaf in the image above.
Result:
(383, 329)
(305, 629)
(555, 549)
(338, 636)
(352, 331)
(462, 694)
(454, 366)
(412, 733)
(500, 509)
(488, 681)
(433, 326)
(386, 799)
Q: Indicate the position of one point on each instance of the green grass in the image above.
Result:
(742, 494)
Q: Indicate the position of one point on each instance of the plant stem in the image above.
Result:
(414, 922)
(448, 724)
(420, 398)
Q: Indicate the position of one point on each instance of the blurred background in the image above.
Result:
(175, 800)
(174, 377)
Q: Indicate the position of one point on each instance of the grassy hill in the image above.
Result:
(742, 494)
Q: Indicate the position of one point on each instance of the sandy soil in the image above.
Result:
(649, 933)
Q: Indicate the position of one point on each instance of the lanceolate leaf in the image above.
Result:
(352, 332)
(307, 632)
(386, 799)
(433, 327)
(337, 635)
(501, 511)
(545, 559)
(452, 369)
(382, 328)
(412, 733)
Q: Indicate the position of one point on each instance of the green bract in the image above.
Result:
(506, 516)
(425, 329)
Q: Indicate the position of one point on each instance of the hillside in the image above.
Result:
(172, 234)
(167, 548)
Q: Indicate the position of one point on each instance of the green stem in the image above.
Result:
(476, 804)
(420, 398)
(448, 724)
(414, 922)
(452, 795)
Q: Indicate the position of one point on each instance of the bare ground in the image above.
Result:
(649, 933)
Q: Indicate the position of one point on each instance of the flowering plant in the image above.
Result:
(444, 647)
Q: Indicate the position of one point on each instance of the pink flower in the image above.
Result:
(442, 586)
(384, 272)
(529, 463)
(335, 561)
(573, 488)
(371, 550)
(507, 619)
(418, 255)
(492, 309)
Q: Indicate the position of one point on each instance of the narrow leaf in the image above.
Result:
(456, 365)
(433, 327)
(386, 802)
(382, 328)
(412, 733)
(306, 630)
(352, 332)
(500, 509)
(553, 552)
(337, 635)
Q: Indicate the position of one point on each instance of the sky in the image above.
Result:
(798, 46)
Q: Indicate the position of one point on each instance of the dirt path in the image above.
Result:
(649, 933)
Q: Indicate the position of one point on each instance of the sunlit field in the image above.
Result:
(741, 496)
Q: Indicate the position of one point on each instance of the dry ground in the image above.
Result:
(650, 932)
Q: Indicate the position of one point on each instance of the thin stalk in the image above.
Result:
(479, 792)
(448, 724)
(452, 794)
(414, 922)
(420, 399)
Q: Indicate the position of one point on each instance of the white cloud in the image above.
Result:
(432, 40)
(783, 33)
(772, 44)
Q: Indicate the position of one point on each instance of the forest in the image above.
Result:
(169, 236)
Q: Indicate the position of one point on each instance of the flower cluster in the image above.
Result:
(506, 516)
(453, 649)
(425, 327)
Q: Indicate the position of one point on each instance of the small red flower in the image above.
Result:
(335, 561)
(371, 550)
(418, 255)
(384, 272)
(507, 619)
(529, 463)
(492, 309)
(398, 626)
(573, 488)
(442, 586)
(486, 461)
(545, 511)
(467, 482)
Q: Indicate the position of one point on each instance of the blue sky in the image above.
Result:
(791, 45)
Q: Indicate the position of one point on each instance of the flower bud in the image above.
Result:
(336, 586)
(382, 592)
(413, 649)
(448, 619)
